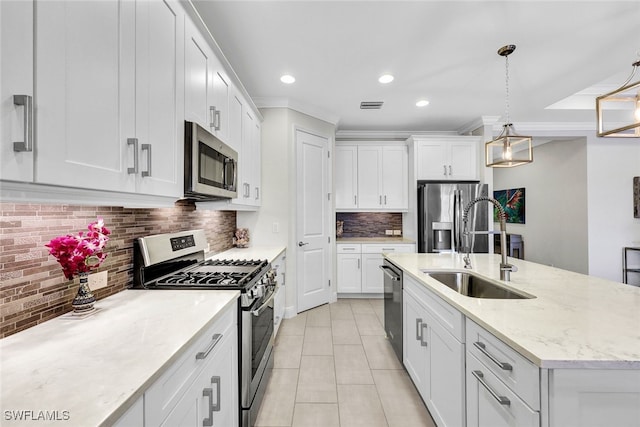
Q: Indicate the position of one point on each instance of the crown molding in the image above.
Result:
(364, 135)
(308, 109)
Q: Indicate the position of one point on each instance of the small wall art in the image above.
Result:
(636, 197)
(512, 201)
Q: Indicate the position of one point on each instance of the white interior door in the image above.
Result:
(313, 250)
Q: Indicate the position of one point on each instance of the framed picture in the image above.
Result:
(512, 201)
(636, 197)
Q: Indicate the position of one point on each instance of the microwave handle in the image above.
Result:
(231, 163)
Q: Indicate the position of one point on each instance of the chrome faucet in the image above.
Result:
(505, 267)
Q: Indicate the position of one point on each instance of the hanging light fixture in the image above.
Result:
(619, 111)
(508, 149)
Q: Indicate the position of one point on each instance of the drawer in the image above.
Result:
(448, 316)
(167, 390)
(491, 403)
(378, 248)
(513, 369)
(342, 248)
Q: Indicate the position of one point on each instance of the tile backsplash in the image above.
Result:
(32, 286)
(369, 224)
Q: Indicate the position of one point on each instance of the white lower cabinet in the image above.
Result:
(212, 399)
(358, 266)
(202, 384)
(433, 357)
(279, 265)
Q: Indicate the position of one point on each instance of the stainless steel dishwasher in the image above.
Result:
(393, 305)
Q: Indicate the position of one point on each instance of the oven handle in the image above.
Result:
(258, 311)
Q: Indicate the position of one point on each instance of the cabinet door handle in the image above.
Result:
(422, 341)
(501, 399)
(208, 392)
(385, 199)
(147, 148)
(419, 330)
(355, 200)
(445, 170)
(380, 200)
(212, 123)
(217, 120)
(257, 193)
(450, 173)
(215, 340)
(483, 349)
(27, 123)
(134, 142)
(358, 264)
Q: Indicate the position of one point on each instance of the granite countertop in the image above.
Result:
(270, 253)
(95, 368)
(575, 321)
(381, 239)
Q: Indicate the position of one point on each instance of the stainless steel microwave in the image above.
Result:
(210, 166)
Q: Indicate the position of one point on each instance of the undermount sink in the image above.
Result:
(474, 286)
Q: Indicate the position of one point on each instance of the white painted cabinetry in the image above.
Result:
(447, 158)
(202, 383)
(372, 177)
(358, 266)
(108, 111)
(434, 353)
(207, 87)
(279, 265)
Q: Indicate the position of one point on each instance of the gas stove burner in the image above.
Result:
(233, 262)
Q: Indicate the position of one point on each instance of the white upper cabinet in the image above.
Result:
(16, 85)
(372, 177)
(447, 158)
(85, 75)
(108, 110)
(207, 87)
(346, 176)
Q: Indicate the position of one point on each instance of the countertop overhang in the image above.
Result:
(575, 321)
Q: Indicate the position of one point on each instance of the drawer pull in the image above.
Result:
(208, 392)
(503, 365)
(348, 249)
(389, 249)
(214, 341)
(501, 399)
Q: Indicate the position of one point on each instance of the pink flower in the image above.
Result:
(81, 253)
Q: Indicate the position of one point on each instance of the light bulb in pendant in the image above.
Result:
(507, 154)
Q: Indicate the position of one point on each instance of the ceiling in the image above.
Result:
(444, 51)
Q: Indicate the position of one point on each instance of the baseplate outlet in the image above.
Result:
(98, 280)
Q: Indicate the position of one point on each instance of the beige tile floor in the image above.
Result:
(334, 367)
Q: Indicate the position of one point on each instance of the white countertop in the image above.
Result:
(269, 253)
(381, 239)
(95, 368)
(575, 321)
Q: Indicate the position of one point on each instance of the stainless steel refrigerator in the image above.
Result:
(440, 210)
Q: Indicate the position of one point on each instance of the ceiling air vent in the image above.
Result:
(371, 105)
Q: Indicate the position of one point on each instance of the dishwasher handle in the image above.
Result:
(389, 272)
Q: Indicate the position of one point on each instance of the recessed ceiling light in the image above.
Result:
(287, 79)
(385, 78)
(422, 103)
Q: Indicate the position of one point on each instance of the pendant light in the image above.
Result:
(508, 149)
(619, 111)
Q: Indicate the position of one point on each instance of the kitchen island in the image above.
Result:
(89, 371)
(568, 356)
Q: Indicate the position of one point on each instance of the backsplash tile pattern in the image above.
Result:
(369, 224)
(32, 286)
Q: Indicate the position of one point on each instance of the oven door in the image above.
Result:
(257, 361)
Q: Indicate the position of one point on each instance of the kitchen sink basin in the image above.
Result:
(474, 286)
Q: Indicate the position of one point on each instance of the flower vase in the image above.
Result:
(84, 300)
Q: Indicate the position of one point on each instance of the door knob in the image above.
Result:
(302, 244)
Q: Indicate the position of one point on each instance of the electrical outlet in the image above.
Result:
(388, 232)
(397, 232)
(275, 228)
(97, 280)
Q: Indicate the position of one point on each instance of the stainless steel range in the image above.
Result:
(176, 261)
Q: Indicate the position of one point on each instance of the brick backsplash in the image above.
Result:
(369, 224)
(32, 286)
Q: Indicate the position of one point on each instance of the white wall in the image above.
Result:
(279, 189)
(556, 228)
(612, 164)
